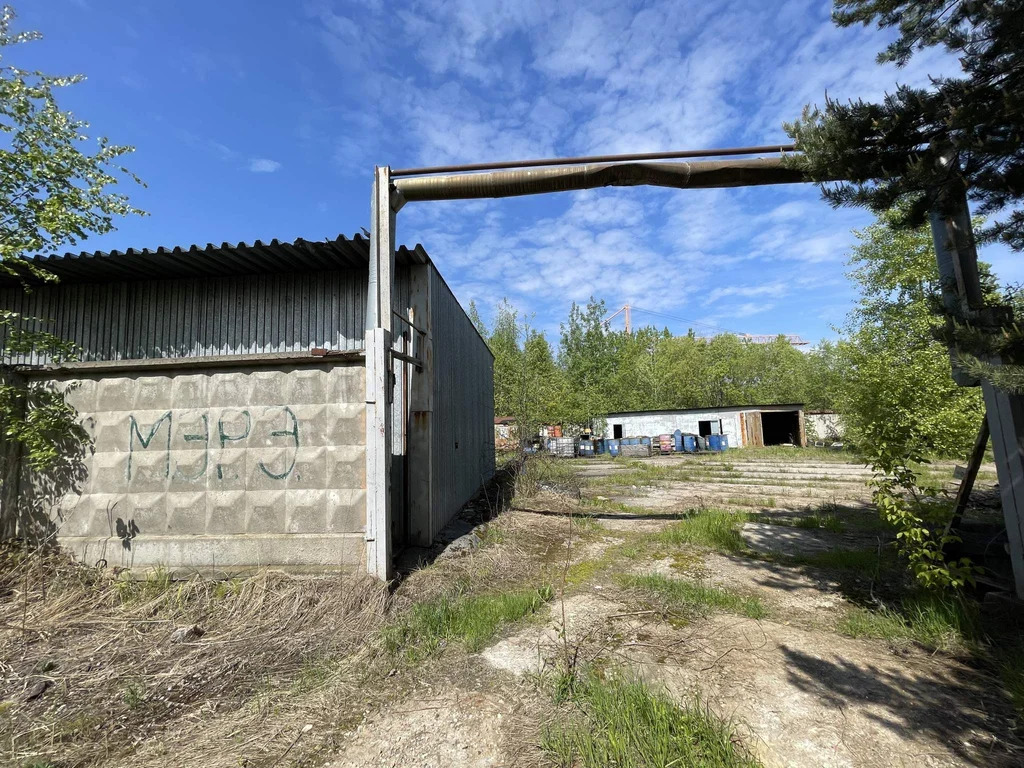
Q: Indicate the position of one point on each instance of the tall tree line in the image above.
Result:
(887, 374)
(596, 370)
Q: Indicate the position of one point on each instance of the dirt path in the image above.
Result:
(673, 571)
(799, 692)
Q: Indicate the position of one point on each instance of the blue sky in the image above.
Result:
(258, 119)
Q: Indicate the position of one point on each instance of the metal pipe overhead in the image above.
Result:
(700, 175)
(677, 155)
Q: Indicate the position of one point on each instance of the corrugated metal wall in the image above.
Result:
(463, 418)
(247, 314)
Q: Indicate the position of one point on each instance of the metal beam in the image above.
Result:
(709, 174)
(536, 163)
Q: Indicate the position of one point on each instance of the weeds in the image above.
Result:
(539, 473)
(134, 694)
(626, 724)
(867, 561)
(154, 584)
(827, 522)
(316, 671)
(751, 501)
(691, 598)
(713, 528)
(935, 621)
(471, 620)
(1011, 670)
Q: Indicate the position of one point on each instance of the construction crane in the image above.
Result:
(766, 338)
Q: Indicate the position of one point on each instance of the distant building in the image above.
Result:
(506, 435)
(744, 425)
(826, 426)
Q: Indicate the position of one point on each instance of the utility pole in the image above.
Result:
(625, 310)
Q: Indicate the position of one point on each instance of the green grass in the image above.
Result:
(864, 560)
(751, 501)
(797, 455)
(828, 522)
(155, 583)
(1011, 669)
(690, 597)
(134, 694)
(937, 622)
(316, 671)
(626, 724)
(471, 620)
(714, 528)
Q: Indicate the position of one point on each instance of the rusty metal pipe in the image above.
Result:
(699, 175)
(536, 163)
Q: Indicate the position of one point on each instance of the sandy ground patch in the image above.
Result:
(810, 698)
(459, 728)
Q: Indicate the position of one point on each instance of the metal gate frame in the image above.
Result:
(956, 254)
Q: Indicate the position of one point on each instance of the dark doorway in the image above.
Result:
(705, 428)
(616, 431)
(780, 427)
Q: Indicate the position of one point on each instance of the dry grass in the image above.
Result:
(278, 652)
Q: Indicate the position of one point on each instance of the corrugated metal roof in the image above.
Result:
(213, 260)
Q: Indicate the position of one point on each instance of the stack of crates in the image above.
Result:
(666, 444)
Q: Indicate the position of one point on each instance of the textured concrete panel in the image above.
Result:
(310, 470)
(346, 466)
(214, 458)
(186, 512)
(348, 385)
(267, 512)
(224, 553)
(225, 512)
(344, 511)
(306, 511)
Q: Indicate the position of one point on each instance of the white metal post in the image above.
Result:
(378, 378)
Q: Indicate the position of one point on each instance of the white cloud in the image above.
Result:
(263, 165)
(513, 79)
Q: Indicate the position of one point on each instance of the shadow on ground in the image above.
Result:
(906, 701)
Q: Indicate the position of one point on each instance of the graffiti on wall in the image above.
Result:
(232, 426)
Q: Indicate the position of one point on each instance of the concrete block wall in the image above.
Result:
(215, 468)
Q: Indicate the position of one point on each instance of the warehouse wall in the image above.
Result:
(244, 314)
(463, 406)
(223, 468)
(652, 424)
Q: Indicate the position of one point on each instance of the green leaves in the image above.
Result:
(897, 396)
(889, 151)
(55, 190)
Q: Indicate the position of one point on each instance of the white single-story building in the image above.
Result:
(744, 425)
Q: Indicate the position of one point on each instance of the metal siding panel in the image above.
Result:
(463, 406)
(219, 316)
